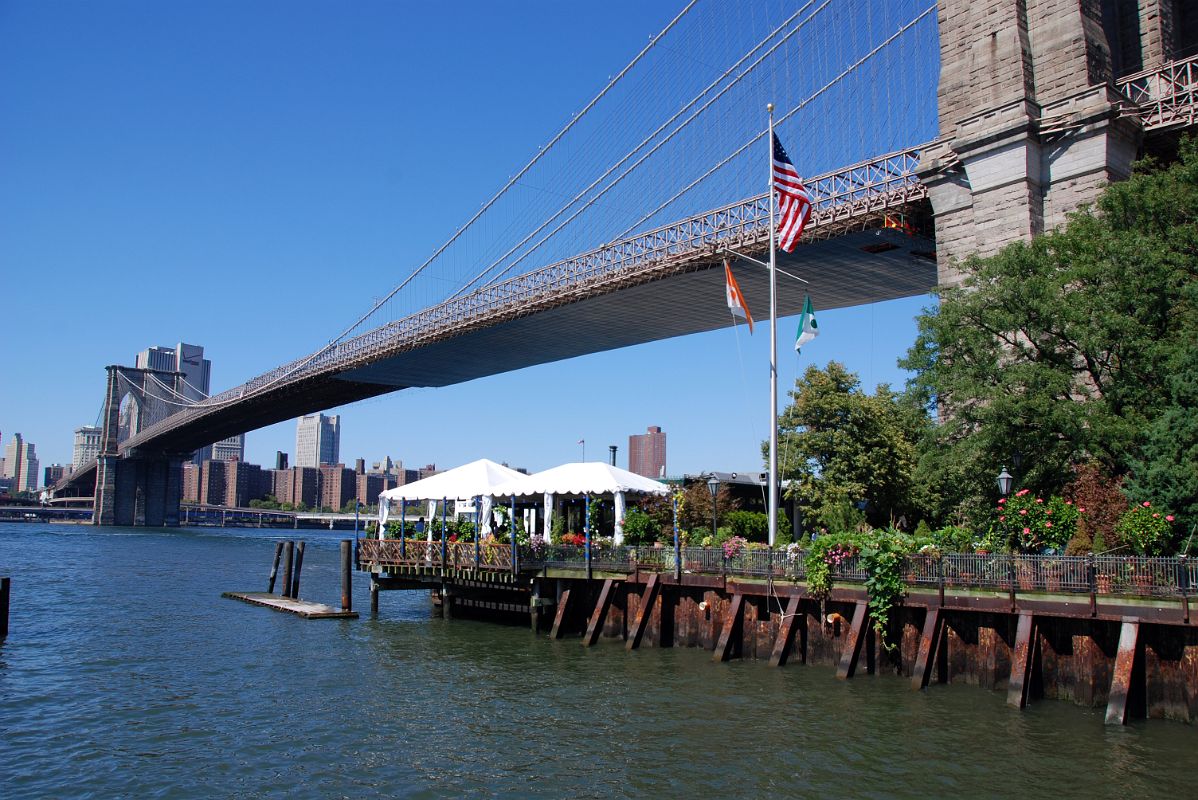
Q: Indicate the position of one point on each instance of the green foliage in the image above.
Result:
(639, 527)
(881, 556)
(826, 553)
(1027, 523)
(557, 528)
(840, 446)
(949, 539)
(752, 526)
(1147, 531)
(1065, 349)
(1166, 471)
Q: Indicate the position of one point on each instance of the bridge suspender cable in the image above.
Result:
(847, 71)
(642, 144)
(295, 366)
(515, 178)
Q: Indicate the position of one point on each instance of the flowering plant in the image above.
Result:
(537, 544)
(1030, 524)
(793, 551)
(735, 546)
(1146, 530)
(576, 539)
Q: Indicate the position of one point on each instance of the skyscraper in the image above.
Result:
(197, 371)
(317, 440)
(20, 464)
(647, 453)
(87, 444)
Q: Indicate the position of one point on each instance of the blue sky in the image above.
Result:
(250, 176)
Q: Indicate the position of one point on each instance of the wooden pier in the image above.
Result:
(1093, 631)
(289, 601)
(302, 608)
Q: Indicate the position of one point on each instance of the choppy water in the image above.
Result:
(125, 674)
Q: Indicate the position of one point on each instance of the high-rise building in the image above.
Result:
(54, 473)
(647, 453)
(231, 449)
(317, 440)
(197, 371)
(87, 445)
(280, 460)
(20, 464)
(338, 485)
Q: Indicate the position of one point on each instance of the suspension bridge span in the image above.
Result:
(1008, 163)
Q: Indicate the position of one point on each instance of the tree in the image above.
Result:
(1057, 351)
(843, 449)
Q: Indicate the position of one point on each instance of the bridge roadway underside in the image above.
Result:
(852, 269)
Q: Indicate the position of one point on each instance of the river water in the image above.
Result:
(125, 674)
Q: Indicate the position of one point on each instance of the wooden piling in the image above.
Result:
(274, 568)
(5, 589)
(851, 650)
(374, 596)
(792, 620)
(931, 641)
(288, 556)
(731, 633)
(347, 602)
(595, 626)
(643, 612)
(295, 576)
(1124, 676)
(563, 602)
(1023, 661)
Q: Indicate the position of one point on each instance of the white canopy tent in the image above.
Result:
(581, 478)
(476, 479)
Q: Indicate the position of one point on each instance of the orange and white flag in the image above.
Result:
(736, 298)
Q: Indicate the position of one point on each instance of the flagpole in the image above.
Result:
(772, 505)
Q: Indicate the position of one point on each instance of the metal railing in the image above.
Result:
(1135, 576)
(1163, 97)
(844, 199)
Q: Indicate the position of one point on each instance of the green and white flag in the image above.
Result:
(808, 328)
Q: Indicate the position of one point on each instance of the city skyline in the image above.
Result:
(215, 206)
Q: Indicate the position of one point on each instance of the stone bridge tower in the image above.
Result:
(139, 488)
(1030, 120)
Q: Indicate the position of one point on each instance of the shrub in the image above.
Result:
(639, 527)
(752, 526)
(1146, 531)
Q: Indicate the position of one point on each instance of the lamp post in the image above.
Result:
(1005, 479)
(713, 487)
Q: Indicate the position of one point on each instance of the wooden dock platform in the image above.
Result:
(303, 608)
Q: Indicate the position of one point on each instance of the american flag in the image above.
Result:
(793, 199)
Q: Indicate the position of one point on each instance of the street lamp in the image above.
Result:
(713, 487)
(1004, 482)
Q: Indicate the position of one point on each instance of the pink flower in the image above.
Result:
(1039, 499)
(1027, 530)
(1081, 510)
(1156, 516)
(1068, 502)
(1168, 518)
(1002, 519)
(1002, 500)
(1048, 511)
(1147, 504)
(1023, 512)
(1047, 524)
(1022, 492)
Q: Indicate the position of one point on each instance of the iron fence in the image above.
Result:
(1103, 574)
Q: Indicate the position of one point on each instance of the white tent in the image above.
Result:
(581, 478)
(476, 479)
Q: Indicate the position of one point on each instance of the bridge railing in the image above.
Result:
(1164, 96)
(1101, 574)
(841, 198)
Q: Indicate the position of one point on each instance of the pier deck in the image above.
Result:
(302, 608)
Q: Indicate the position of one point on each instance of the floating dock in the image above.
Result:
(302, 608)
